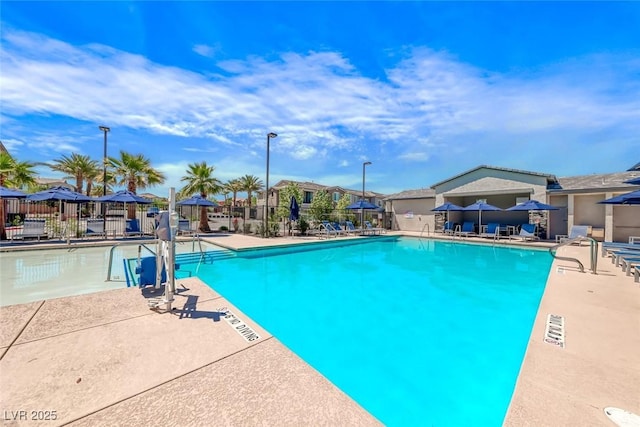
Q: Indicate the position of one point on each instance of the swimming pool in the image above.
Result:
(418, 332)
(34, 275)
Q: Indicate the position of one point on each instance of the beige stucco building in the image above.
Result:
(576, 197)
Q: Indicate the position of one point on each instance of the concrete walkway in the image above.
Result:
(106, 359)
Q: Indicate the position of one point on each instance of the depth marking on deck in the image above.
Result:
(554, 330)
(241, 327)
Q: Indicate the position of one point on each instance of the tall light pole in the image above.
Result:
(104, 129)
(364, 165)
(266, 189)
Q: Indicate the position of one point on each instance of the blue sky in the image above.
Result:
(422, 90)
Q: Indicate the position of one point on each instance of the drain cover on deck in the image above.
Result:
(554, 330)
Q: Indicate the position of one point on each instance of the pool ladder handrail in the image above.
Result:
(140, 246)
(426, 225)
(593, 252)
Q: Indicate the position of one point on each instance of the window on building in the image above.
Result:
(336, 196)
(308, 197)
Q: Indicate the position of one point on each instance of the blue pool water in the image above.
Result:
(417, 332)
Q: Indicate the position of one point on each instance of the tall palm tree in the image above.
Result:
(78, 167)
(199, 179)
(13, 174)
(233, 186)
(250, 183)
(134, 171)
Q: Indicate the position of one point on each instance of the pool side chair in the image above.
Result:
(32, 228)
(95, 227)
(449, 228)
(607, 247)
(373, 230)
(575, 232)
(636, 273)
(326, 230)
(468, 229)
(527, 232)
(339, 230)
(184, 228)
(628, 263)
(132, 228)
(351, 229)
(492, 231)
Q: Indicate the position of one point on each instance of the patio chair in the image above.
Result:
(636, 273)
(527, 232)
(351, 229)
(449, 227)
(184, 228)
(31, 228)
(492, 231)
(326, 230)
(468, 229)
(575, 232)
(95, 227)
(341, 231)
(373, 230)
(132, 228)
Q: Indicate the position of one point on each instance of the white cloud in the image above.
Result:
(206, 50)
(319, 103)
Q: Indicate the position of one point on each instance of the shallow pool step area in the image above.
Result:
(144, 273)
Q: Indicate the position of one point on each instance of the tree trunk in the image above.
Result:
(3, 230)
(204, 220)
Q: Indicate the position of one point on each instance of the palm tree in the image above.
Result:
(233, 186)
(78, 167)
(134, 171)
(250, 183)
(199, 179)
(13, 174)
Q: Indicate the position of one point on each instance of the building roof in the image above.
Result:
(550, 177)
(611, 181)
(305, 185)
(422, 193)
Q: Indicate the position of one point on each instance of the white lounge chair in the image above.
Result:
(575, 232)
(184, 228)
(492, 231)
(373, 230)
(527, 232)
(31, 228)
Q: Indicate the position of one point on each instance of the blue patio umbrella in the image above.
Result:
(532, 205)
(59, 194)
(446, 207)
(9, 193)
(480, 207)
(197, 200)
(632, 198)
(634, 181)
(124, 196)
(294, 209)
(361, 204)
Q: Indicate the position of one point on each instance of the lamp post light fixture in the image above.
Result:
(104, 129)
(364, 165)
(266, 188)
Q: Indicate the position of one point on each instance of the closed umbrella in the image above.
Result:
(294, 209)
(481, 206)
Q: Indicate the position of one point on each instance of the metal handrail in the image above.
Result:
(140, 245)
(426, 225)
(593, 249)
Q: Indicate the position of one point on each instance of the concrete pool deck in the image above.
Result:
(106, 359)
